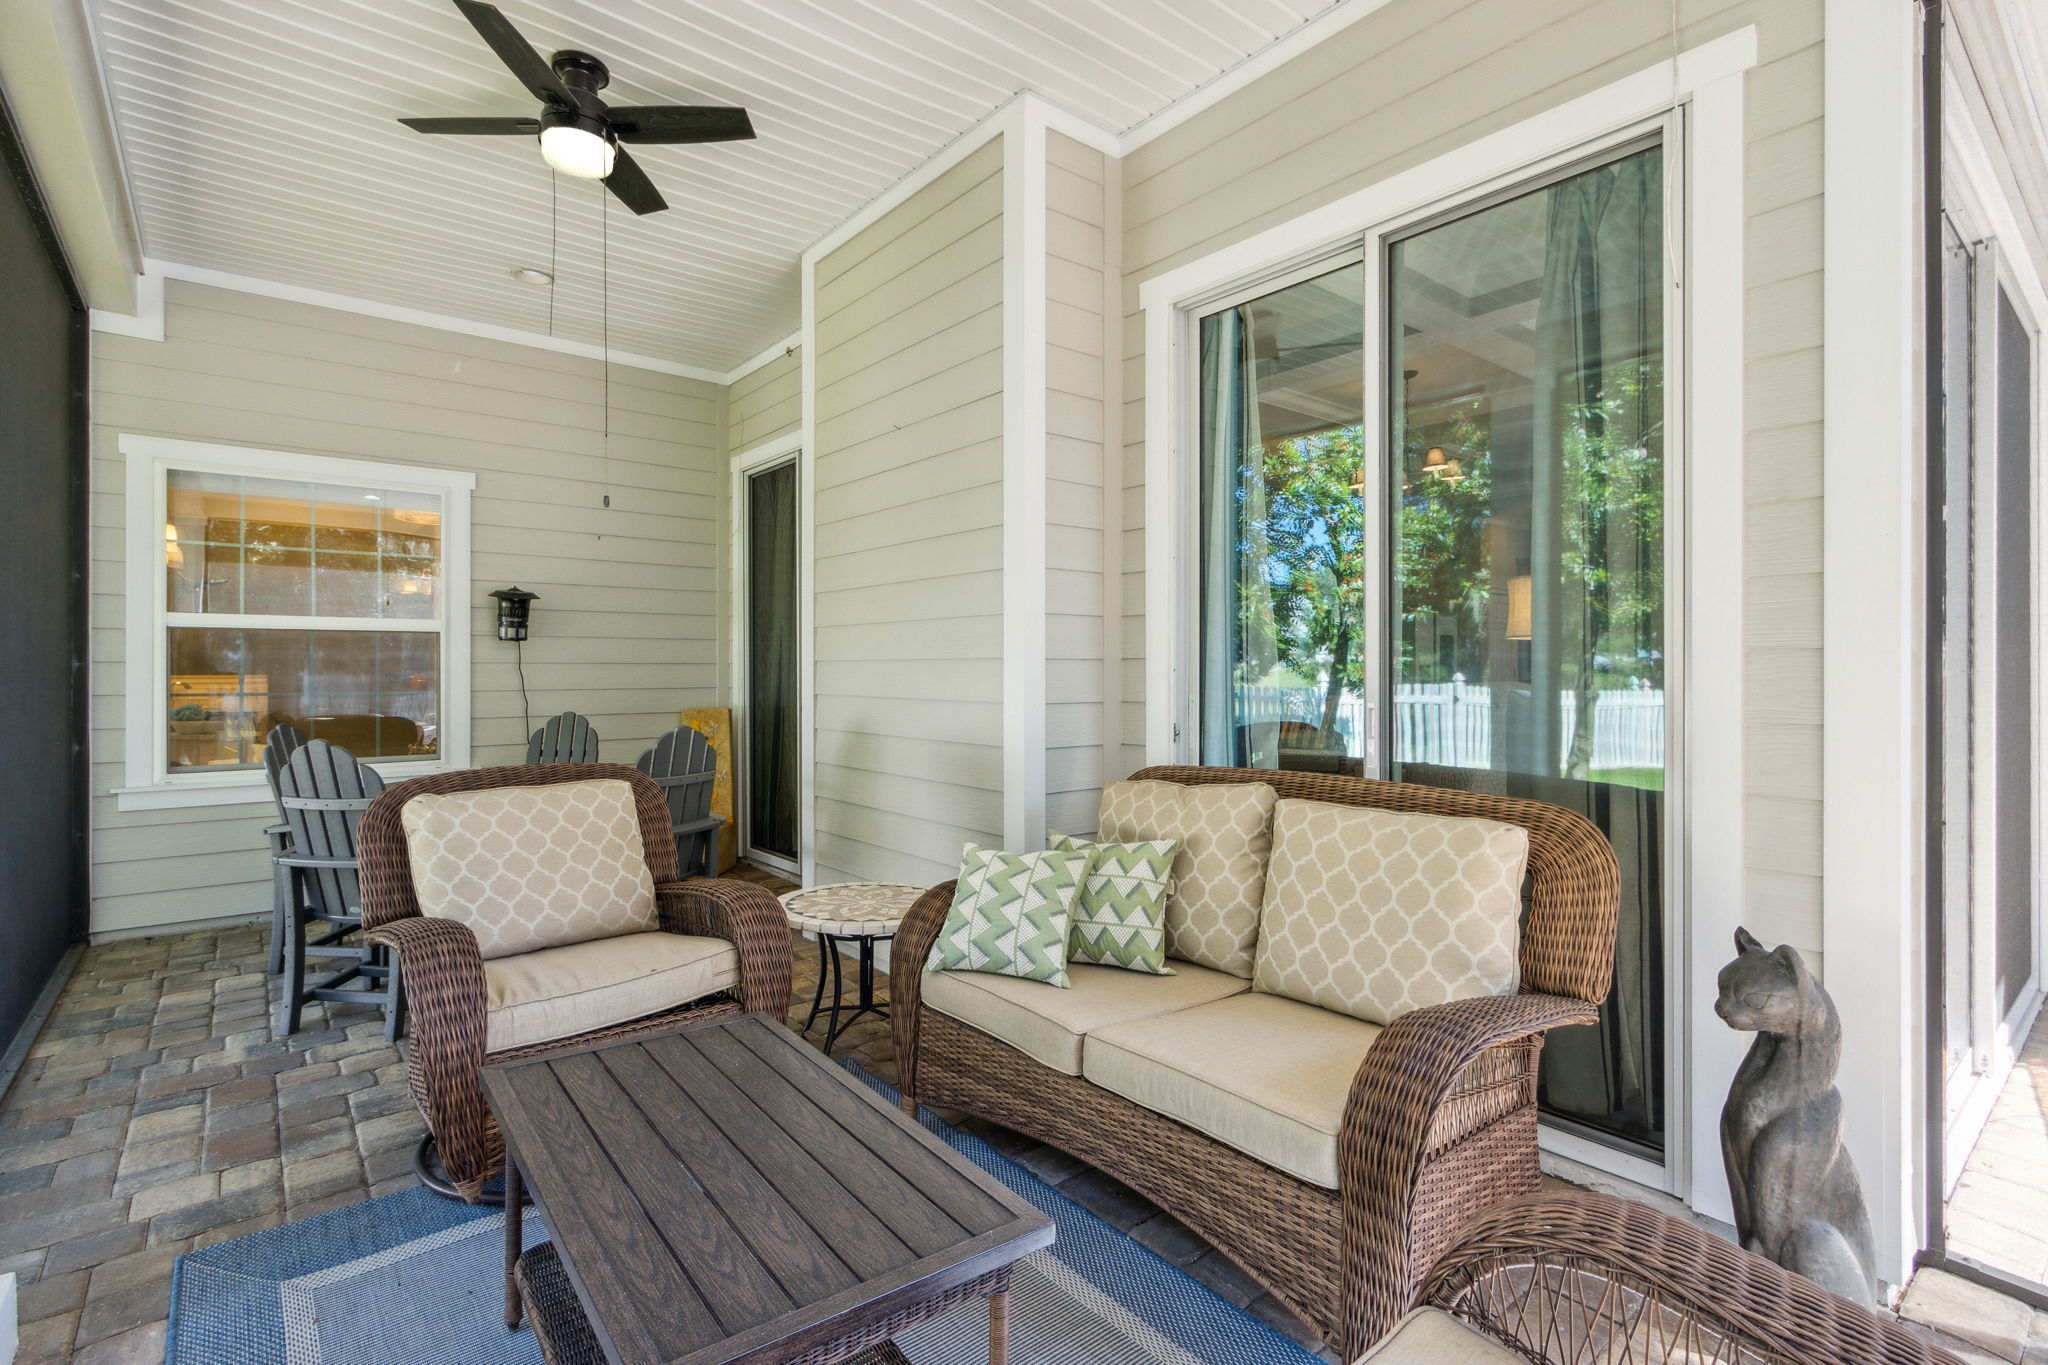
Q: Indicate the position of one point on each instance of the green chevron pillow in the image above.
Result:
(1120, 917)
(1010, 914)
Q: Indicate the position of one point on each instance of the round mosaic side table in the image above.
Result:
(865, 913)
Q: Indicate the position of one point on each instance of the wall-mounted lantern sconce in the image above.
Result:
(512, 611)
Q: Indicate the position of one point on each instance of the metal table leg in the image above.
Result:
(514, 1240)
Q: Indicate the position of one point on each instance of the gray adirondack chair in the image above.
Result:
(324, 791)
(684, 765)
(278, 746)
(566, 738)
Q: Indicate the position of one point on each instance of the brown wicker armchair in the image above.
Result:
(447, 994)
(1578, 1278)
(1440, 1124)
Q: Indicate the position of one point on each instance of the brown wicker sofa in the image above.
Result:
(1580, 1278)
(1438, 1124)
(450, 996)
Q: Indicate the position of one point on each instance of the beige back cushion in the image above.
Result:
(532, 867)
(1374, 913)
(1219, 876)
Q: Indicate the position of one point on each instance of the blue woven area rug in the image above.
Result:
(413, 1279)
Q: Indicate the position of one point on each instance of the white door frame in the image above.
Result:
(1975, 202)
(1701, 93)
(758, 459)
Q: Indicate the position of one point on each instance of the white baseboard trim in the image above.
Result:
(187, 926)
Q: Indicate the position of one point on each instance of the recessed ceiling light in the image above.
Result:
(527, 274)
(373, 497)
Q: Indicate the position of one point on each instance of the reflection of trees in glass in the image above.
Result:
(1313, 537)
(1445, 574)
(1613, 541)
(1611, 577)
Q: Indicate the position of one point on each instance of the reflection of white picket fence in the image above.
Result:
(1452, 723)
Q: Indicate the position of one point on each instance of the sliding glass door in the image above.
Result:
(1463, 583)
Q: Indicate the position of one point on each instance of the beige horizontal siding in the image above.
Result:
(625, 630)
(766, 403)
(908, 413)
(1413, 81)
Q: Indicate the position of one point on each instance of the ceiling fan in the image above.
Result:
(579, 134)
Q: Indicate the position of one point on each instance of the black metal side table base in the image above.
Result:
(839, 1015)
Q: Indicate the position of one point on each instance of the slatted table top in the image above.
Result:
(724, 1193)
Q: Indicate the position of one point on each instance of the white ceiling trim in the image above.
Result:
(771, 354)
(246, 284)
(1264, 62)
(55, 81)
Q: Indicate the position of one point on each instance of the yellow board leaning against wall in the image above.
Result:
(715, 724)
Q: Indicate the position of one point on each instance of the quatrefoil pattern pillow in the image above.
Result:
(532, 867)
(1219, 876)
(1373, 913)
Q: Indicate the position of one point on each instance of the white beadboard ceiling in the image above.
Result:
(260, 139)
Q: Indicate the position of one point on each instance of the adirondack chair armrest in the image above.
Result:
(747, 916)
(294, 860)
(698, 826)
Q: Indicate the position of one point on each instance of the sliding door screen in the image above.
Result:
(1508, 635)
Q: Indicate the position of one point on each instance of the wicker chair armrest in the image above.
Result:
(907, 954)
(1697, 1286)
(747, 916)
(445, 1003)
(1396, 1097)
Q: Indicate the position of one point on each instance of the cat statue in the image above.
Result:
(1798, 1200)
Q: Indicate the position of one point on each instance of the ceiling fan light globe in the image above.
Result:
(578, 151)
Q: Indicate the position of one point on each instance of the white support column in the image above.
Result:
(1024, 398)
(1873, 824)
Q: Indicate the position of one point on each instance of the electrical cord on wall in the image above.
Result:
(525, 706)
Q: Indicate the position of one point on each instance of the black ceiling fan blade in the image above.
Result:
(475, 127)
(679, 123)
(633, 187)
(515, 52)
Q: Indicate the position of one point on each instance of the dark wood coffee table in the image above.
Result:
(723, 1193)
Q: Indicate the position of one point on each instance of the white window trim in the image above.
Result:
(147, 458)
(757, 459)
(1699, 95)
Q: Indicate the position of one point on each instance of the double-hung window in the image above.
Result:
(267, 589)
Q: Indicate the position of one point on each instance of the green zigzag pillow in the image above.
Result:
(1010, 914)
(1120, 918)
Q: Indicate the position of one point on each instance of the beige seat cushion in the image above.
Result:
(532, 867)
(1219, 876)
(560, 992)
(1374, 913)
(1264, 1075)
(1430, 1336)
(1047, 1024)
